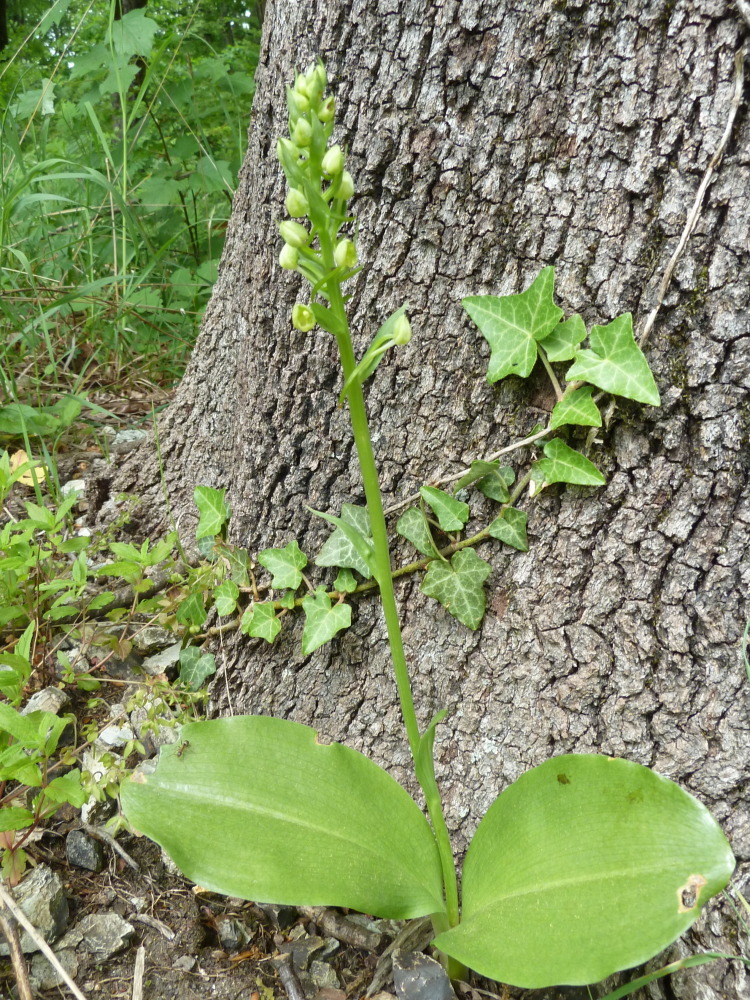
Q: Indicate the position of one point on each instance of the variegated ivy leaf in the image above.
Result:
(413, 526)
(260, 622)
(562, 343)
(452, 514)
(495, 485)
(285, 565)
(510, 527)
(615, 363)
(345, 582)
(225, 597)
(286, 600)
(577, 408)
(513, 324)
(459, 585)
(192, 611)
(562, 464)
(322, 621)
(214, 512)
(338, 550)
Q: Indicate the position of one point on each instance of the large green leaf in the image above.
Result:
(584, 866)
(616, 363)
(513, 324)
(255, 807)
(459, 585)
(214, 511)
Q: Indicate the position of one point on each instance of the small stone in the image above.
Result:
(73, 486)
(184, 963)
(49, 699)
(114, 737)
(282, 916)
(103, 934)
(45, 976)
(151, 639)
(160, 662)
(323, 975)
(40, 895)
(77, 661)
(303, 951)
(233, 934)
(419, 977)
(84, 851)
(128, 440)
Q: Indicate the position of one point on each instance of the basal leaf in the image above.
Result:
(584, 866)
(459, 585)
(225, 598)
(562, 343)
(510, 527)
(261, 622)
(577, 408)
(257, 808)
(616, 363)
(513, 324)
(563, 464)
(340, 550)
(285, 565)
(214, 512)
(322, 621)
(412, 526)
(452, 514)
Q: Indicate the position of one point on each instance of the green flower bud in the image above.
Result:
(286, 147)
(289, 258)
(302, 133)
(327, 110)
(294, 234)
(300, 102)
(333, 161)
(302, 86)
(320, 74)
(402, 330)
(303, 318)
(345, 254)
(296, 203)
(346, 186)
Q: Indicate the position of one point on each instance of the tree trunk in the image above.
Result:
(488, 140)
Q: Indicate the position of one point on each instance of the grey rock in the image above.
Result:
(42, 899)
(73, 486)
(151, 639)
(84, 851)
(184, 963)
(323, 975)
(114, 737)
(159, 662)
(302, 951)
(126, 668)
(102, 934)
(282, 916)
(127, 440)
(418, 977)
(233, 934)
(49, 699)
(44, 976)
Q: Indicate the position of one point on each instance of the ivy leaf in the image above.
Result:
(452, 514)
(340, 550)
(495, 485)
(225, 598)
(412, 525)
(562, 342)
(616, 363)
(577, 408)
(510, 527)
(239, 565)
(196, 667)
(260, 622)
(345, 582)
(565, 465)
(477, 470)
(513, 324)
(214, 512)
(322, 621)
(192, 611)
(285, 565)
(459, 585)
(287, 599)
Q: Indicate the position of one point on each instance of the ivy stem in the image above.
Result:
(383, 575)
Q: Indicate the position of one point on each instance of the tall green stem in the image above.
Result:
(370, 480)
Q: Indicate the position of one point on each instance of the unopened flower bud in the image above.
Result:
(299, 101)
(296, 203)
(303, 318)
(402, 330)
(289, 258)
(302, 86)
(333, 161)
(327, 110)
(346, 186)
(345, 254)
(319, 71)
(286, 146)
(302, 133)
(294, 234)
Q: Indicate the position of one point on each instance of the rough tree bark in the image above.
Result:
(487, 140)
